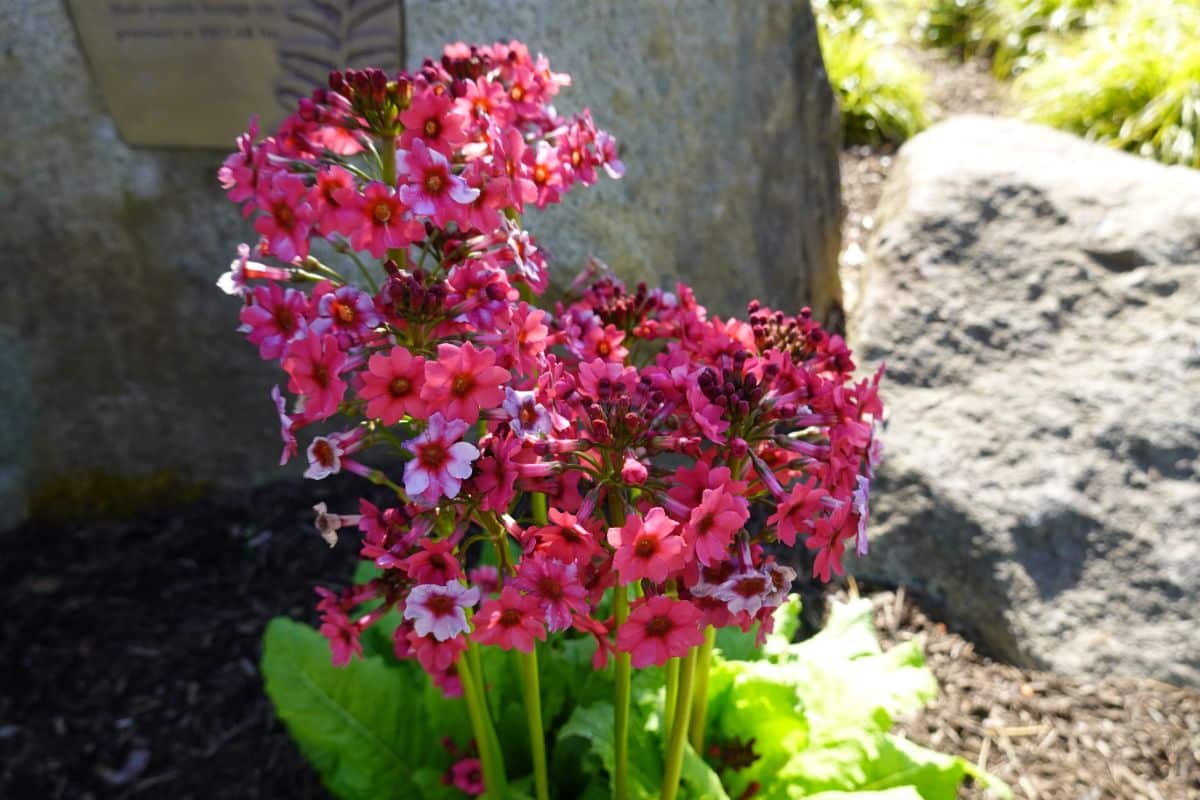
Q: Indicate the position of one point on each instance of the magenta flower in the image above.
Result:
(440, 610)
(392, 386)
(466, 775)
(659, 629)
(348, 313)
(430, 188)
(314, 364)
(440, 462)
(273, 318)
(647, 548)
(796, 511)
(512, 621)
(376, 220)
(289, 216)
(556, 588)
(434, 562)
(463, 380)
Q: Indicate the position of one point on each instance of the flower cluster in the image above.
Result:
(587, 469)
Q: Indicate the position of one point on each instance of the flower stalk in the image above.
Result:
(700, 703)
(677, 739)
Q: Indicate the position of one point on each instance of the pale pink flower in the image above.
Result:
(746, 590)
(440, 610)
(440, 462)
(328, 524)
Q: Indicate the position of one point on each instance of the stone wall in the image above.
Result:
(120, 358)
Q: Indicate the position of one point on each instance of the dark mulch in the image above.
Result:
(130, 649)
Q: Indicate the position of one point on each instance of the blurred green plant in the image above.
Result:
(1013, 34)
(1132, 81)
(880, 93)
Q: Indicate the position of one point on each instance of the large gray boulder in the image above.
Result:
(727, 125)
(1037, 301)
(122, 373)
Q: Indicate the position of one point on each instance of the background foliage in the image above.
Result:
(1124, 72)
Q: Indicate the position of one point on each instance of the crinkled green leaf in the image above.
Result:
(899, 793)
(365, 727)
(873, 763)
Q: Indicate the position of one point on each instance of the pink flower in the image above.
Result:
(435, 656)
(286, 424)
(466, 775)
(431, 188)
(440, 610)
(433, 119)
(647, 548)
(440, 461)
(513, 621)
(314, 364)
(337, 627)
(659, 629)
(348, 313)
(796, 511)
(434, 562)
(391, 385)
(713, 523)
(633, 471)
(556, 588)
(274, 317)
(376, 220)
(463, 380)
(546, 172)
(331, 182)
(604, 342)
(289, 216)
(565, 539)
(242, 269)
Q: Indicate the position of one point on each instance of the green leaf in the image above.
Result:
(366, 727)
(875, 763)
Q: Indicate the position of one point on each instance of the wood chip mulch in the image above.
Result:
(1049, 736)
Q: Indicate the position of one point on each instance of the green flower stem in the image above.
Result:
(700, 701)
(387, 160)
(533, 710)
(677, 739)
(672, 695)
(481, 725)
(537, 506)
(387, 166)
(623, 678)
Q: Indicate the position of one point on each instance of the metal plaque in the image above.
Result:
(191, 73)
